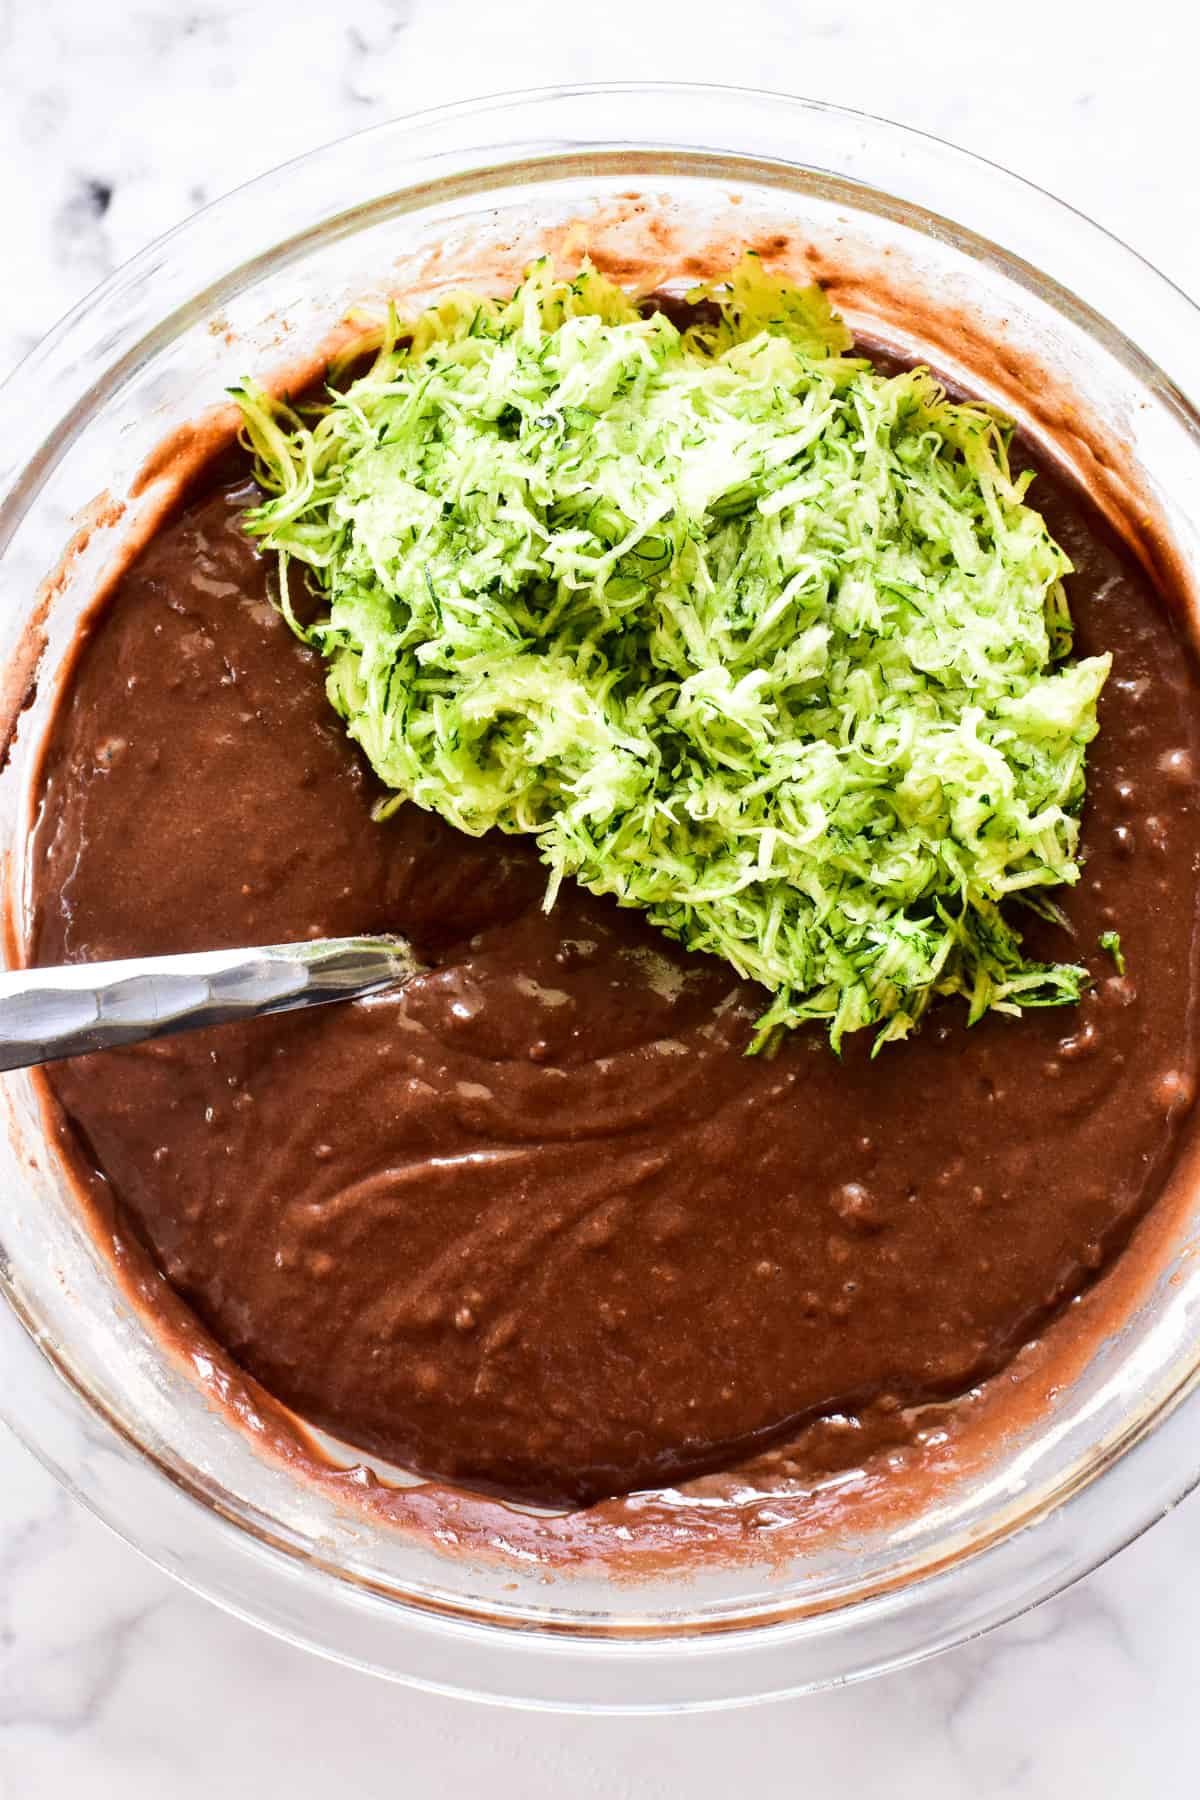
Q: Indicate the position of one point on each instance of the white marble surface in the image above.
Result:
(117, 118)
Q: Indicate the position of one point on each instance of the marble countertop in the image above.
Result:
(116, 121)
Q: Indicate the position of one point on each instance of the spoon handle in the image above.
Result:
(46, 1014)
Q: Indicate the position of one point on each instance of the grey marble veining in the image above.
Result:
(116, 121)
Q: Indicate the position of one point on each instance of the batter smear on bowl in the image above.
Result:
(541, 1224)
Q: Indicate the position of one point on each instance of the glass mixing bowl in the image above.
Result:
(927, 248)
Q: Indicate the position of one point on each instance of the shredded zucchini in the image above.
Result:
(740, 630)
(1111, 941)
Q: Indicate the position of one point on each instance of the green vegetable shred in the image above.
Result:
(1111, 941)
(738, 629)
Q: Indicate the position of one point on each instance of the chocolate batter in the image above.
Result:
(538, 1225)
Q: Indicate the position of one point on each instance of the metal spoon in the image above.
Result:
(46, 1014)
